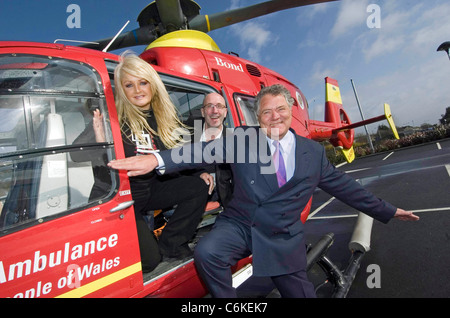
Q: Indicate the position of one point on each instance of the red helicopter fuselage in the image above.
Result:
(56, 241)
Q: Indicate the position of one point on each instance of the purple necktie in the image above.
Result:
(279, 164)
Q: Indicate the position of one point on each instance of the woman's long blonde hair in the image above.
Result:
(170, 128)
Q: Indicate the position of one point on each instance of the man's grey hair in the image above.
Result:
(273, 90)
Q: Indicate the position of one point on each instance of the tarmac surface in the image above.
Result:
(406, 259)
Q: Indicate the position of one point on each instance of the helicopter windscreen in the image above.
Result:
(45, 104)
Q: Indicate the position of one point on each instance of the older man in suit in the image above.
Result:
(263, 218)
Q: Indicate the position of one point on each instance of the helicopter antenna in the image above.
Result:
(65, 40)
(114, 38)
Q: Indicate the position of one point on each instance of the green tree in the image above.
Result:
(446, 117)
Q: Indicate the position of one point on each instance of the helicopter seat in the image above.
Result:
(53, 183)
(80, 175)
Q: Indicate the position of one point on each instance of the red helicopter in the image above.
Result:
(54, 240)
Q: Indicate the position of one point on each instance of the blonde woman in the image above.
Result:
(142, 93)
(149, 122)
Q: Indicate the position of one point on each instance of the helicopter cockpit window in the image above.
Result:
(247, 105)
(189, 103)
(46, 114)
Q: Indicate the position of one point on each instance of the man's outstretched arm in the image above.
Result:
(136, 166)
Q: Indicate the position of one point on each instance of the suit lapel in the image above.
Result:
(267, 170)
(302, 162)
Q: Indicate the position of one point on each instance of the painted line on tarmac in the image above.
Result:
(333, 217)
(355, 215)
(321, 207)
(356, 170)
(431, 210)
(388, 156)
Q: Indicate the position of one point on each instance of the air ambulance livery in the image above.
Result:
(57, 242)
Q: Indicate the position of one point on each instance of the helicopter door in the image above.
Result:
(66, 223)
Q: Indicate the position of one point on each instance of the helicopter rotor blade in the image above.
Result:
(215, 21)
(164, 16)
(171, 14)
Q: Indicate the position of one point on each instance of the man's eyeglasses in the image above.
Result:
(211, 106)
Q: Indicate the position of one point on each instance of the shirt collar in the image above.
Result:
(286, 142)
(203, 136)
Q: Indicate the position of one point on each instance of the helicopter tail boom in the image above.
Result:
(337, 127)
(335, 118)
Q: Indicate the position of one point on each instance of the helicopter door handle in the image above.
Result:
(122, 206)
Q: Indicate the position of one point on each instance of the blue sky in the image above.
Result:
(395, 62)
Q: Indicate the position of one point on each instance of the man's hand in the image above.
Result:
(405, 215)
(136, 166)
(209, 180)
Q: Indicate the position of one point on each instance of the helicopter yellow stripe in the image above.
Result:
(207, 22)
(102, 282)
(333, 94)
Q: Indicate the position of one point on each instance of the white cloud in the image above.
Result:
(416, 29)
(434, 27)
(400, 64)
(391, 36)
(383, 45)
(307, 14)
(351, 13)
(234, 5)
(319, 72)
(254, 37)
(416, 95)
